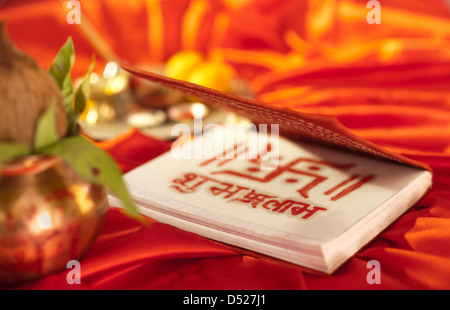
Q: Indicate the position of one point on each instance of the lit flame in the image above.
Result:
(198, 110)
(93, 78)
(116, 85)
(110, 70)
(92, 115)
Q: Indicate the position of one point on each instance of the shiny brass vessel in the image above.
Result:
(48, 216)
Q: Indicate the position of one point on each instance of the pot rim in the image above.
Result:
(30, 164)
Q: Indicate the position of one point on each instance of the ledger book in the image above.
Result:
(274, 190)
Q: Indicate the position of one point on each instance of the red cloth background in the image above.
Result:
(388, 83)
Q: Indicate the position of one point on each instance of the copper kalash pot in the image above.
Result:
(48, 216)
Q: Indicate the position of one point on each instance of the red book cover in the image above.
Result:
(322, 129)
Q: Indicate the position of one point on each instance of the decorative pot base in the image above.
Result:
(48, 216)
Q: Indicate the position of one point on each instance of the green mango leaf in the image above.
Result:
(94, 165)
(9, 151)
(81, 97)
(46, 132)
(60, 70)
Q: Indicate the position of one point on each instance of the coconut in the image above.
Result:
(26, 92)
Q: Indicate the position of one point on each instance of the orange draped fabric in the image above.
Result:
(389, 83)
